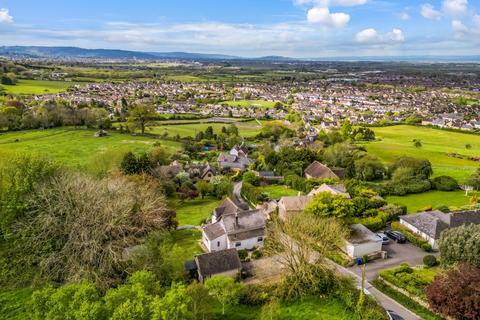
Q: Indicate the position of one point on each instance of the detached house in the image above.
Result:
(429, 225)
(201, 172)
(235, 159)
(337, 189)
(220, 263)
(288, 206)
(233, 227)
(317, 170)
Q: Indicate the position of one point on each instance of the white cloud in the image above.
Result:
(5, 17)
(455, 7)
(371, 36)
(404, 16)
(322, 15)
(429, 12)
(460, 30)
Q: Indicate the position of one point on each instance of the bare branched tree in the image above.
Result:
(78, 226)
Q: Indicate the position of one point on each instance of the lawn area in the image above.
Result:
(187, 240)
(193, 212)
(277, 191)
(76, 147)
(14, 304)
(250, 103)
(38, 87)
(396, 141)
(185, 78)
(245, 129)
(415, 202)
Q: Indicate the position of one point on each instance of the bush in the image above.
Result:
(243, 254)
(257, 254)
(444, 183)
(442, 208)
(460, 244)
(426, 208)
(426, 247)
(430, 261)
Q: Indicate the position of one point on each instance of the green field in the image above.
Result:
(396, 141)
(246, 129)
(416, 202)
(76, 147)
(185, 78)
(27, 87)
(250, 103)
(193, 212)
(188, 242)
(277, 191)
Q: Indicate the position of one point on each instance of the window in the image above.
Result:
(238, 244)
(260, 239)
(218, 243)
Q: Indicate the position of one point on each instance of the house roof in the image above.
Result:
(319, 170)
(228, 206)
(213, 230)
(243, 221)
(295, 203)
(218, 262)
(361, 234)
(431, 223)
(332, 188)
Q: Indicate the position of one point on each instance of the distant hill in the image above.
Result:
(76, 53)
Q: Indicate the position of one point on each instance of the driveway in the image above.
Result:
(396, 254)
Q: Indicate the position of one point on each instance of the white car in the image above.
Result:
(383, 236)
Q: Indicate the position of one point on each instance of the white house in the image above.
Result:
(239, 230)
(430, 224)
(362, 242)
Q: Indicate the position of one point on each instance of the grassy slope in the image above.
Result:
(14, 304)
(193, 212)
(397, 141)
(75, 147)
(38, 87)
(188, 241)
(278, 191)
(246, 129)
(415, 202)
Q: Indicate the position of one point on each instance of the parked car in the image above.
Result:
(396, 236)
(393, 316)
(383, 236)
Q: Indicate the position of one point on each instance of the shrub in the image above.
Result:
(460, 244)
(242, 254)
(430, 261)
(257, 254)
(256, 295)
(444, 183)
(426, 247)
(442, 208)
(426, 208)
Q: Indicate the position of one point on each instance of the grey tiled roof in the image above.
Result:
(217, 262)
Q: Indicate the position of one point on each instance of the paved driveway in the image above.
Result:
(397, 253)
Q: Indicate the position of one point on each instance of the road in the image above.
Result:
(237, 196)
(385, 301)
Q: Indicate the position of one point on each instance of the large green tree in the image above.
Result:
(141, 117)
(460, 244)
(225, 290)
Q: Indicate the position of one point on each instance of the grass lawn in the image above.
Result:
(250, 103)
(38, 87)
(193, 212)
(185, 78)
(277, 191)
(246, 130)
(187, 240)
(76, 147)
(415, 202)
(396, 141)
(14, 304)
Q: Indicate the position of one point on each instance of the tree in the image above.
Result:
(141, 117)
(174, 305)
(204, 188)
(419, 167)
(251, 178)
(330, 205)
(346, 130)
(369, 168)
(78, 227)
(340, 155)
(417, 143)
(460, 244)
(456, 293)
(225, 290)
(159, 156)
(474, 180)
(129, 164)
(444, 183)
(200, 300)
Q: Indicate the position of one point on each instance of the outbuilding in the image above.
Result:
(362, 242)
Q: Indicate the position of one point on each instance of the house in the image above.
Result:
(219, 263)
(429, 225)
(228, 206)
(318, 170)
(267, 176)
(201, 172)
(235, 159)
(288, 206)
(171, 170)
(336, 189)
(238, 230)
(362, 242)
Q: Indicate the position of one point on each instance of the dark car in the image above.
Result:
(396, 236)
(393, 316)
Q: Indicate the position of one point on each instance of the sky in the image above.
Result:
(249, 28)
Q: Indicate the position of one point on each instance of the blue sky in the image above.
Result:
(296, 28)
